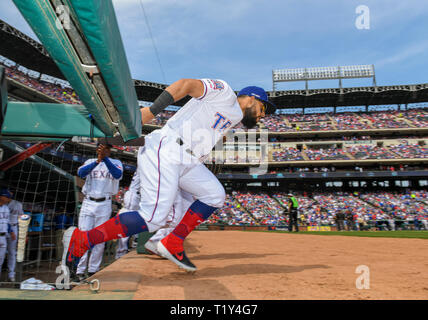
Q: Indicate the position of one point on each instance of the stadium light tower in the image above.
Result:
(323, 73)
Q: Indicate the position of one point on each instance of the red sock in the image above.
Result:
(85, 240)
(109, 230)
(124, 225)
(79, 243)
(174, 241)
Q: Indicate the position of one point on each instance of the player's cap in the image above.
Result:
(259, 94)
(290, 194)
(5, 193)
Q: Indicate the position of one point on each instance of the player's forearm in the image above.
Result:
(175, 92)
(84, 171)
(186, 87)
(146, 115)
(115, 171)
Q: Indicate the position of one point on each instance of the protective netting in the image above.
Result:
(50, 192)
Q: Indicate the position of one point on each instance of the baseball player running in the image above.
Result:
(5, 227)
(171, 160)
(102, 182)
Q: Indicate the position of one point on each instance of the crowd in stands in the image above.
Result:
(417, 117)
(261, 206)
(399, 167)
(316, 117)
(377, 209)
(287, 154)
(404, 150)
(339, 121)
(311, 211)
(409, 150)
(275, 122)
(381, 209)
(232, 213)
(326, 154)
(384, 120)
(342, 138)
(118, 197)
(62, 94)
(399, 205)
(342, 201)
(131, 149)
(320, 208)
(364, 152)
(347, 121)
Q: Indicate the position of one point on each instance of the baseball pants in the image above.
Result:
(292, 220)
(131, 202)
(11, 251)
(340, 225)
(3, 246)
(183, 201)
(165, 167)
(122, 247)
(92, 215)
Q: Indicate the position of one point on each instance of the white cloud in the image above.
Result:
(405, 54)
(240, 39)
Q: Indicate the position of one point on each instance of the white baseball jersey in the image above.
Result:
(203, 121)
(135, 182)
(4, 218)
(99, 182)
(4, 221)
(15, 208)
(131, 199)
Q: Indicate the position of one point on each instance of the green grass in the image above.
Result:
(374, 234)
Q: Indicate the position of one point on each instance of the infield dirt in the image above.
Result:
(275, 266)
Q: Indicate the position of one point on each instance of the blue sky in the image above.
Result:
(241, 41)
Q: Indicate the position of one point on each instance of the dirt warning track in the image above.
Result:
(276, 266)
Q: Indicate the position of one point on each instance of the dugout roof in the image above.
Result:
(26, 51)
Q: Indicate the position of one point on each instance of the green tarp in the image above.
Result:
(95, 22)
(98, 22)
(48, 119)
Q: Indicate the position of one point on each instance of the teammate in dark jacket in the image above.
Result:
(293, 206)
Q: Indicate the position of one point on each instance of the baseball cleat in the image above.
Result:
(179, 258)
(79, 277)
(68, 259)
(151, 247)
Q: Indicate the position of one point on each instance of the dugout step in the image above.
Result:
(142, 239)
